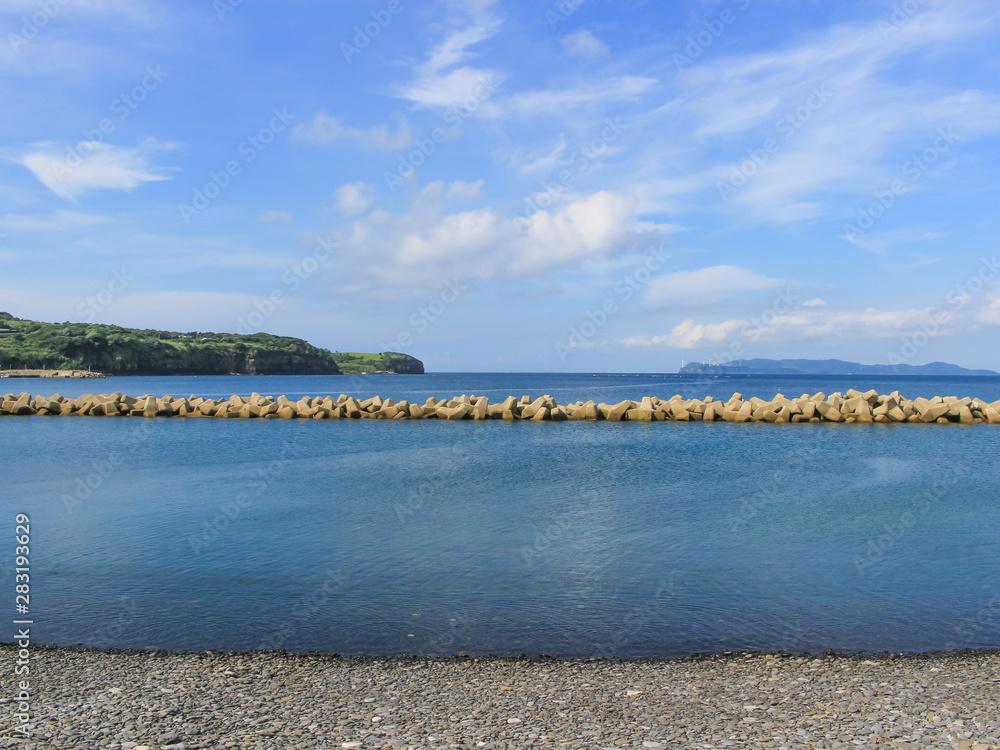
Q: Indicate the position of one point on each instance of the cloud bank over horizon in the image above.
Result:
(571, 186)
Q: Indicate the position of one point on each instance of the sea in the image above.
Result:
(569, 539)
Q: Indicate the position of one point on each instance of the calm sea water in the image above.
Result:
(485, 537)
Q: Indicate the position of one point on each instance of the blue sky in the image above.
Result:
(575, 186)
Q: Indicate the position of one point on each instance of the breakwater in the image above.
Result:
(850, 407)
(51, 374)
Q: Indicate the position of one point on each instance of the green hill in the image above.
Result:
(129, 351)
(358, 362)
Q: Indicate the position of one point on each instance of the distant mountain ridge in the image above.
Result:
(825, 367)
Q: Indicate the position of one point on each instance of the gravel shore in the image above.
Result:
(129, 700)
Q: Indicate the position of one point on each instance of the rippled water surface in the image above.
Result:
(569, 538)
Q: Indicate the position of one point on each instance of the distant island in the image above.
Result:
(29, 344)
(824, 367)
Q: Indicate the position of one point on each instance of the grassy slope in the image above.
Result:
(355, 362)
(129, 351)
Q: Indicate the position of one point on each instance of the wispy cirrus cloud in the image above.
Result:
(597, 93)
(444, 80)
(275, 216)
(704, 286)
(583, 44)
(59, 221)
(95, 166)
(834, 105)
(326, 128)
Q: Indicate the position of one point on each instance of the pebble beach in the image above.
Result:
(151, 700)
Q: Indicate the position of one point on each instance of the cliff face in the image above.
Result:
(403, 364)
(358, 362)
(128, 351)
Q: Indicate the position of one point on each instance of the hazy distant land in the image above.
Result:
(824, 367)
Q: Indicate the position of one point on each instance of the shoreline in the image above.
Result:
(533, 658)
(461, 656)
(128, 699)
(60, 374)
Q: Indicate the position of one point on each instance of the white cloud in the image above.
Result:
(815, 302)
(465, 191)
(688, 335)
(30, 47)
(581, 229)
(442, 81)
(621, 89)
(93, 166)
(326, 128)
(354, 198)
(408, 254)
(704, 286)
(881, 243)
(459, 190)
(989, 313)
(540, 161)
(58, 221)
(584, 44)
(164, 310)
(852, 137)
(275, 217)
(830, 326)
